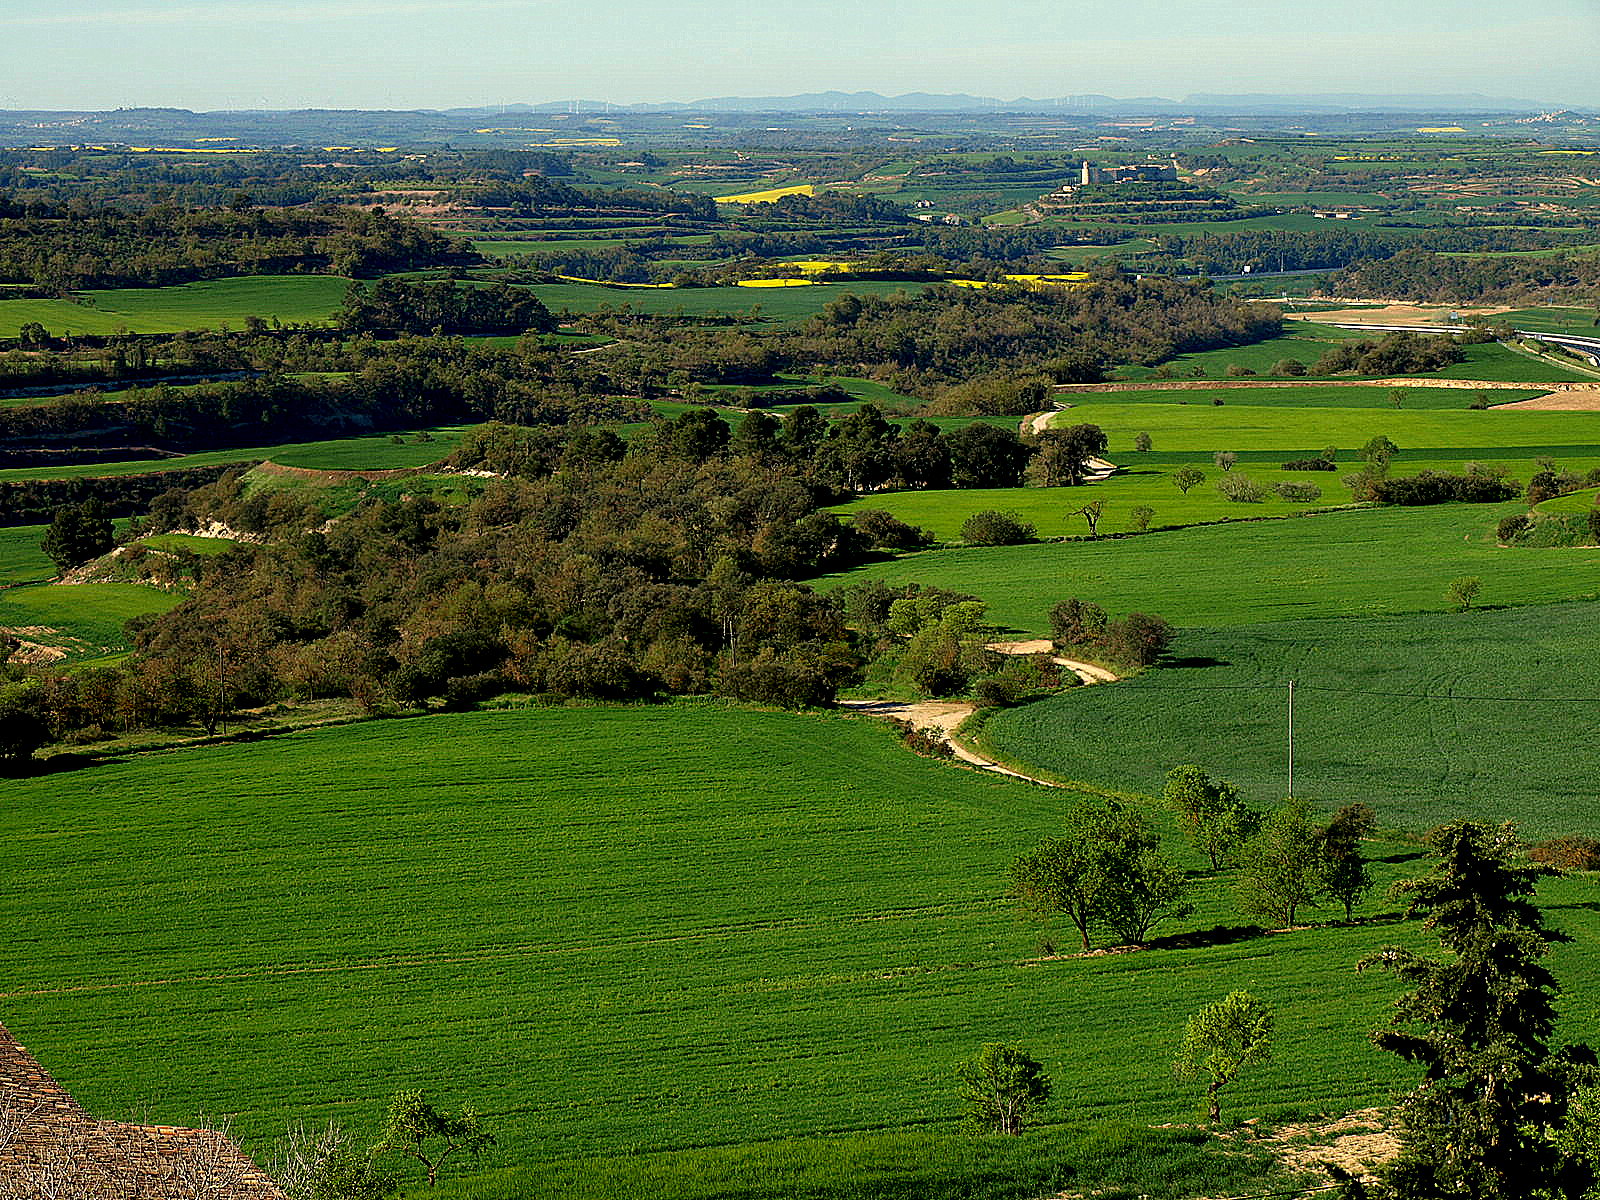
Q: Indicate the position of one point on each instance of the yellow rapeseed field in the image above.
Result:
(767, 197)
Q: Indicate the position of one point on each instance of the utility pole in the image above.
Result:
(1291, 739)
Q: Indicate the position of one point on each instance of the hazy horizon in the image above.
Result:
(436, 54)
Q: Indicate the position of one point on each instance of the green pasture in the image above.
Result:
(1053, 511)
(1426, 717)
(1289, 394)
(610, 929)
(21, 560)
(618, 931)
(1117, 1161)
(204, 305)
(372, 453)
(1573, 502)
(1367, 562)
(86, 619)
(1307, 341)
(1302, 340)
(1205, 428)
(784, 305)
(1551, 319)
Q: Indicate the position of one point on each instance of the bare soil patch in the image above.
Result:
(1569, 400)
(1396, 314)
(1357, 1142)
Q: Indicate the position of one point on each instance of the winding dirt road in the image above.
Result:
(944, 717)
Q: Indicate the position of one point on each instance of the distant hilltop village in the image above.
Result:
(1139, 172)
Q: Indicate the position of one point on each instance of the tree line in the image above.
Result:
(62, 248)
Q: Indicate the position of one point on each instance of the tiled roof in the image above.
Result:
(50, 1149)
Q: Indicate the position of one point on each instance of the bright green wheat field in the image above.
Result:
(1359, 563)
(607, 928)
(204, 305)
(1426, 717)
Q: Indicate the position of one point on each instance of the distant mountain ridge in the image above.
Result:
(1243, 103)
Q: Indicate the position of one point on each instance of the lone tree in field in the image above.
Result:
(78, 534)
(1282, 868)
(1223, 1039)
(1478, 1022)
(1141, 516)
(1142, 443)
(1213, 812)
(1106, 870)
(1462, 592)
(1225, 460)
(415, 1129)
(1002, 1085)
(1064, 454)
(1091, 514)
(1345, 872)
(1185, 478)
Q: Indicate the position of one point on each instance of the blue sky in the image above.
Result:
(439, 53)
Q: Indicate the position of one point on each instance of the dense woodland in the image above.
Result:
(60, 248)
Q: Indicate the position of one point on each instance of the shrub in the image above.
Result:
(1550, 483)
(1289, 366)
(1239, 371)
(1077, 623)
(1310, 464)
(1434, 487)
(1594, 524)
(991, 528)
(929, 743)
(1462, 592)
(1573, 852)
(885, 531)
(1138, 639)
(997, 691)
(1240, 489)
(1506, 532)
(1299, 493)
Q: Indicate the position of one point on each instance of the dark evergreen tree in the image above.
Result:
(1478, 1022)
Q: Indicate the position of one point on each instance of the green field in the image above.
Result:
(1052, 511)
(205, 305)
(1292, 432)
(86, 619)
(1307, 341)
(21, 560)
(614, 931)
(1300, 395)
(608, 928)
(1428, 717)
(377, 453)
(1361, 563)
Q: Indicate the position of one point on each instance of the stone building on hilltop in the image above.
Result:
(50, 1149)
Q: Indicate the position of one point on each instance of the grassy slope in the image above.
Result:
(1440, 751)
(1204, 428)
(204, 305)
(21, 560)
(93, 613)
(1307, 341)
(608, 928)
(1336, 564)
(379, 453)
(1301, 395)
